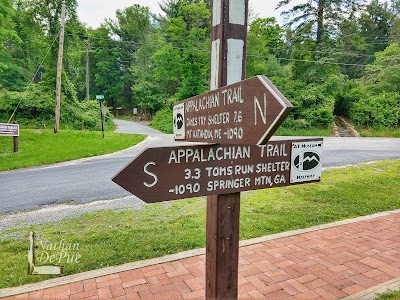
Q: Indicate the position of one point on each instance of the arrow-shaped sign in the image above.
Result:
(160, 174)
(244, 113)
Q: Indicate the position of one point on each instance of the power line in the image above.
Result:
(34, 76)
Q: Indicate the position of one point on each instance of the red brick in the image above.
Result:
(181, 278)
(364, 281)
(339, 268)
(153, 281)
(109, 282)
(19, 297)
(83, 295)
(384, 277)
(353, 289)
(256, 295)
(134, 282)
(164, 279)
(288, 288)
(373, 273)
(117, 290)
(59, 291)
(243, 288)
(244, 296)
(196, 271)
(76, 287)
(170, 294)
(154, 272)
(334, 291)
(256, 281)
(146, 295)
(133, 296)
(325, 294)
(373, 262)
(278, 295)
(89, 284)
(107, 278)
(194, 295)
(183, 288)
(315, 283)
(136, 288)
(297, 285)
(168, 267)
(307, 295)
(126, 276)
(178, 272)
(193, 284)
(390, 270)
(306, 278)
(104, 293)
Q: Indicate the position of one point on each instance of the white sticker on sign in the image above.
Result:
(306, 161)
(179, 121)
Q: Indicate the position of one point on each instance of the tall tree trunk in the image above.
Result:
(320, 21)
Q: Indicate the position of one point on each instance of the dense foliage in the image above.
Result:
(331, 57)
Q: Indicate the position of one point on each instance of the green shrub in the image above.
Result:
(163, 120)
(377, 110)
(37, 109)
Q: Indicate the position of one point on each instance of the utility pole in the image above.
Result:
(228, 66)
(87, 69)
(59, 71)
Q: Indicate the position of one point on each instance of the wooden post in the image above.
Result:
(87, 70)
(59, 71)
(15, 141)
(228, 66)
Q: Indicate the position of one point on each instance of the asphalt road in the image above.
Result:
(88, 180)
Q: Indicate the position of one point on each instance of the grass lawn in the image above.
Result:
(389, 296)
(42, 147)
(108, 238)
(314, 131)
(382, 132)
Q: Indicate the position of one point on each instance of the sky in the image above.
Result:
(93, 12)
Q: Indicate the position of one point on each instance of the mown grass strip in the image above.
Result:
(394, 295)
(43, 147)
(110, 238)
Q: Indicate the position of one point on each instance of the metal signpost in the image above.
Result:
(7, 129)
(237, 117)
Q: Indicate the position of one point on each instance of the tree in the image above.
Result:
(375, 24)
(8, 37)
(310, 17)
(264, 40)
(384, 74)
(131, 26)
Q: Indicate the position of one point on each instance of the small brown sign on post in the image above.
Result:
(247, 112)
(220, 169)
(7, 129)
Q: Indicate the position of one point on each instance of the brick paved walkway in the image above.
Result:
(329, 263)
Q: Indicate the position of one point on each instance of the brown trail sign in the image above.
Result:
(247, 112)
(160, 174)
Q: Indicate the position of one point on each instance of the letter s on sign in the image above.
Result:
(151, 174)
